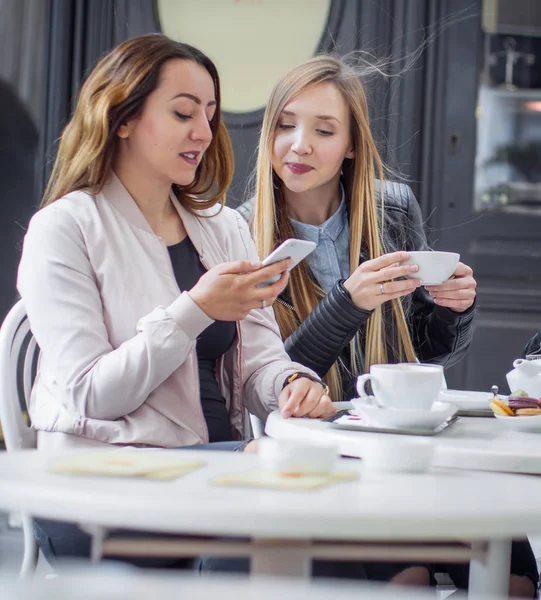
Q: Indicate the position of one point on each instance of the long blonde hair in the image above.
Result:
(271, 224)
(115, 93)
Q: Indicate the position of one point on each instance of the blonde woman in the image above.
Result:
(140, 286)
(320, 177)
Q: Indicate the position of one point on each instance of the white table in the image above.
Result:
(118, 584)
(287, 529)
(471, 443)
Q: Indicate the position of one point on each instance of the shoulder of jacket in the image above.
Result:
(72, 208)
(246, 208)
(397, 195)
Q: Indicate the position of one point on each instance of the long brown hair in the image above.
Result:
(271, 224)
(115, 93)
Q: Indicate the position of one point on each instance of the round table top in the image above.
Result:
(441, 505)
(471, 443)
(117, 583)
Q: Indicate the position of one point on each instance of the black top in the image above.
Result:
(213, 342)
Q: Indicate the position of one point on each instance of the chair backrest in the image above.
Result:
(18, 364)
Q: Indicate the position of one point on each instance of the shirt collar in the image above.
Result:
(332, 227)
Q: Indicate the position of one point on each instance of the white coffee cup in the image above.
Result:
(408, 386)
(398, 454)
(434, 267)
(296, 456)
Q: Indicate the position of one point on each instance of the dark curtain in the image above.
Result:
(21, 83)
(18, 145)
(80, 31)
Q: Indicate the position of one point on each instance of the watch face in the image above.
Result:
(252, 42)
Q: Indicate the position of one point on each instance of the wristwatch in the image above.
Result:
(299, 374)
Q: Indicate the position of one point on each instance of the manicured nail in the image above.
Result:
(413, 268)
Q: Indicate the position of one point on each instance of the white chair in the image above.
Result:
(18, 361)
(258, 427)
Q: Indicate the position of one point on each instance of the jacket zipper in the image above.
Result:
(286, 304)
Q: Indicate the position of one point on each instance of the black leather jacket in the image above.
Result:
(439, 335)
(533, 347)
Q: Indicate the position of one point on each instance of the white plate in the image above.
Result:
(464, 400)
(403, 418)
(526, 424)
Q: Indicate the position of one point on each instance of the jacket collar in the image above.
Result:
(116, 194)
(332, 227)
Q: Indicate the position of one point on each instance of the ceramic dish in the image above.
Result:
(401, 418)
(465, 400)
(525, 424)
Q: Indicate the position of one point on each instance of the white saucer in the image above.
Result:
(398, 418)
(465, 400)
(526, 424)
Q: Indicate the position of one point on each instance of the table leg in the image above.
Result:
(491, 575)
(98, 535)
(281, 557)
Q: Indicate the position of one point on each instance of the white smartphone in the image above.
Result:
(292, 248)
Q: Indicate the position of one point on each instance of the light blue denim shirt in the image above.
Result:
(329, 262)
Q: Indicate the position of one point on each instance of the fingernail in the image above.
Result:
(256, 264)
(414, 268)
(289, 264)
(286, 414)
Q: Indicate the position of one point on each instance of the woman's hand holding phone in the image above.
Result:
(292, 248)
(230, 291)
(374, 282)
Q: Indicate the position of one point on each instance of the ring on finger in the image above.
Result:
(382, 289)
(263, 304)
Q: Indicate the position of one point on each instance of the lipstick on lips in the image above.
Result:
(298, 168)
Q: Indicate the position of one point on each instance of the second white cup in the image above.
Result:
(409, 386)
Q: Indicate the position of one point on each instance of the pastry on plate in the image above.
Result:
(516, 402)
(500, 408)
(528, 412)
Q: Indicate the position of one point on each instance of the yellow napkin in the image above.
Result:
(129, 462)
(263, 478)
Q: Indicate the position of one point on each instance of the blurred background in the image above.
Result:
(462, 124)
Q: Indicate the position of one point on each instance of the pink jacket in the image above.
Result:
(118, 362)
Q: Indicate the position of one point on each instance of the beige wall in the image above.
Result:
(252, 42)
